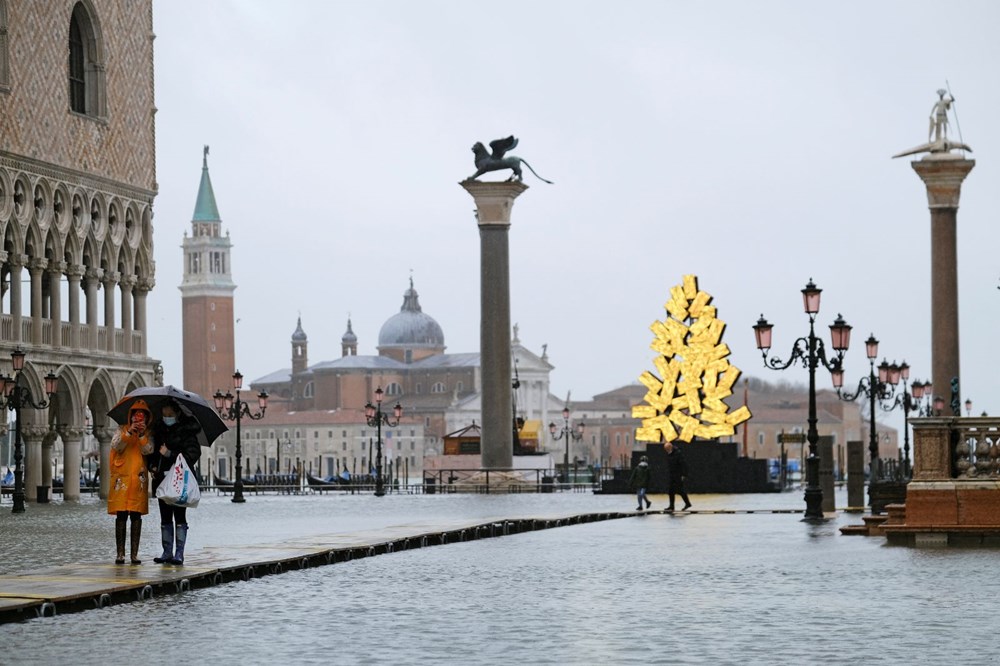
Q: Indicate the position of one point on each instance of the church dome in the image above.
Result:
(410, 327)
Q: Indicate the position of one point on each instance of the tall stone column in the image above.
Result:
(55, 272)
(48, 443)
(16, 263)
(36, 269)
(494, 202)
(143, 287)
(31, 440)
(943, 174)
(103, 436)
(91, 281)
(110, 281)
(72, 443)
(73, 276)
(127, 283)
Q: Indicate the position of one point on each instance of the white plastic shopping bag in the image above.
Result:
(179, 486)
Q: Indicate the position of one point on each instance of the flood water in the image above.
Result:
(690, 589)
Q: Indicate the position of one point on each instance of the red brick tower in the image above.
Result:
(207, 298)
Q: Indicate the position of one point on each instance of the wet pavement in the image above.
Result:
(706, 588)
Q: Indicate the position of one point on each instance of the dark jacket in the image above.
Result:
(640, 477)
(676, 466)
(182, 437)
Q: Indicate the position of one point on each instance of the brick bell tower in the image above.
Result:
(207, 298)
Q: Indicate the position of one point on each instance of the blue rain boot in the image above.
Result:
(182, 532)
(167, 537)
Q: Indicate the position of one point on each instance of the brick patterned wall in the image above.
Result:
(206, 371)
(35, 117)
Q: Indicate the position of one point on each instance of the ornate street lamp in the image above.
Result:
(567, 433)
(17, 396)
(878, 388)
(234, 409)
(811, 352)
(375, 417)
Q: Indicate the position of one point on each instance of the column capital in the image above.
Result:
(111, 277)
(37, 264)
(17, 260)
(56, 267)
(93, 274)
(943, 178)
(75, 271)
(494, 200)
(128, 281)
(145, 284)
(71, 433)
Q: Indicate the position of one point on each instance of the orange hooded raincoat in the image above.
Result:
(129, 476)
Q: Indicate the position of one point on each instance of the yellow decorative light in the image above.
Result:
(686, 399)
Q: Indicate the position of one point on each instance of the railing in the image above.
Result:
(131, 344)
(956, 448)
(977, 448)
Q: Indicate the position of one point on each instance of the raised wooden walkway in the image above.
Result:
(76, 587)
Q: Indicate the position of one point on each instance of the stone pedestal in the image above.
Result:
(943, 174)
(855, 476)
(494, 202)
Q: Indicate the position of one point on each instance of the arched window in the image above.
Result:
(86, 63)
(438, 387)
(393, 389)
(307, 392)
(459, 386)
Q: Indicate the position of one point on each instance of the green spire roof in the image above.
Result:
(205, 209)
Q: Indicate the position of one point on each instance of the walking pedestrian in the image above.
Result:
(639, 481)
(174, 433)
(128, 496)
(676, 475)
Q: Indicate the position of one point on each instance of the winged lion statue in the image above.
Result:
(499, 159)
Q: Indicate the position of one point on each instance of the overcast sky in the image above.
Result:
(748, 143)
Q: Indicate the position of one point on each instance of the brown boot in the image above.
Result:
(136, 533)
(121, 522)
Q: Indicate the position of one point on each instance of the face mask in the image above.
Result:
(169, 420)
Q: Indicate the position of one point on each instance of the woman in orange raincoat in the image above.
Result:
(128, 497)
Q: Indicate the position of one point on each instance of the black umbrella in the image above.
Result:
(192, 403)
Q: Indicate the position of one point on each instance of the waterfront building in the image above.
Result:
(77, 183)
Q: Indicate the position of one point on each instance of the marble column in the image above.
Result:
(73, 276)
(36, 269)
(91, 281)
(16, 263)
(494, 202)
(31, 440)
(142, 289)
(109, 282)
(126, 284)
(48, 444)
(943, 174)
(103, 436)
(55, 272)
(72, 438)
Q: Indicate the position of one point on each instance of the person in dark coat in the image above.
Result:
(676, 475)
(639, 481)
(174, 433)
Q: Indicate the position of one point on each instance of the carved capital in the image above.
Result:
(34, 433)
(75, 271)
(71, 433)
(15, 260)
(57, 267)
(37, 264)
(128, 281)
(94, 274)
(110, 278)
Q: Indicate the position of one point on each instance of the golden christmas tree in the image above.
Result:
(686, 400)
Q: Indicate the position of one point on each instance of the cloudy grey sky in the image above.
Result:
(748, 143)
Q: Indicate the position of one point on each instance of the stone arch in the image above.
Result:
(102, 395)
(67, 407)
(21, 190)
(143, 263)
(33, 376)
(98, 215)
(61, 208)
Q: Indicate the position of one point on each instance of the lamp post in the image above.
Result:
(567, 433)
(376, 417)
(811, 352)
(877, 387)
(234, 409)
(968, 407)
(16, 397)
